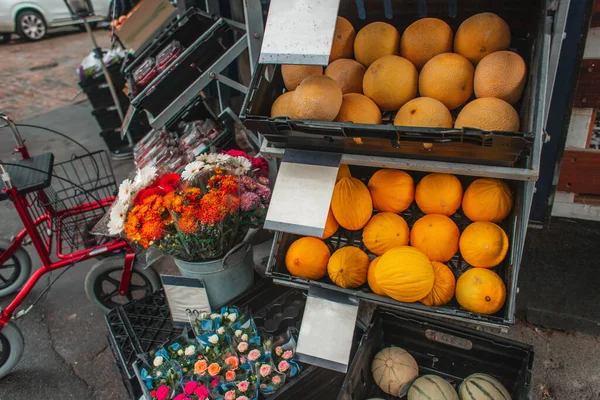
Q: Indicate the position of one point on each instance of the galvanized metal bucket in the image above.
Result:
(225, 278)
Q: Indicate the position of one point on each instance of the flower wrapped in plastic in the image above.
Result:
(184, 353)
(283, 354)
(270, 379)
(162, 376)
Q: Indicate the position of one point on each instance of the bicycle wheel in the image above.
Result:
(103, 280)
(15, 271)
(11, 348)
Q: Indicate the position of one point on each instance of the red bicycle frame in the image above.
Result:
(42, 246)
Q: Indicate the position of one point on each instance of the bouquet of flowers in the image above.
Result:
(197, 215)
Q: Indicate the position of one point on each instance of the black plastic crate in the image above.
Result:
(108, 119)
(99, 96)
(506, 270)
(98, 78)
(526, 20)
(442, 349)
(204, 41)
(115, 143)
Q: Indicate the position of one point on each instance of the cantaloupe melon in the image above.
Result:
(482, 387)
(348, 74)
(343, 40)
(488, 114)
(282, 106)
(293, 75)
(318, 97)
(425, 39)
(359, 109)
(391, 82)
(393, 370)
(431, 387)
(374, 41)
(502, 75)
(480, 35)
(447, 77)
(424, 112)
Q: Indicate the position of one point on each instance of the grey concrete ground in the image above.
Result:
(66, 354)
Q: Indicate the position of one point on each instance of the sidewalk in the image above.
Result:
(66, 354)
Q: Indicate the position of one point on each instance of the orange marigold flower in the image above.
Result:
(152, 230)
(187, 223)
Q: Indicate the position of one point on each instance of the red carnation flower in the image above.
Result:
(169, 182)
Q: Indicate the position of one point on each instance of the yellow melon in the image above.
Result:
(385, 231)
(439, 194)
(424, 112)
(318, 97)
(487, 199)
(443, 286)
(348, 267)
(371, 278)
(488, 114)
(447, 77)
(501, 75)
(425, 39)
(331, 226)
(359, 109)
(374, 41)
(343, 172)
(481, 290)
(343, 40)
(390, 82)
(307, 258)
(483, 244)
(392, 190)
(348, 74)
(293, 75)
(480, 35)
(436, 236)
(282, 106)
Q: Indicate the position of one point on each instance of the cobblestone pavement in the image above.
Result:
(38, 77)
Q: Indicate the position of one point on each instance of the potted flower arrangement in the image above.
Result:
(201, 217)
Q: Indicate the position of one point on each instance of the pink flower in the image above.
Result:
(201, 392)
(230, 395)
(264, 193)
(249, 200)
(276, 380)
(230, 376)
(190, 387)
(242, 398)
(263, 181)
(243, 360)
(162, 393)
(283, 366)
(181, 397)
(242, 347)
(214, 383)
(265, 370)
(243, 386)
(287, 355)
(263, 385)
(254, 355)
(278, 350)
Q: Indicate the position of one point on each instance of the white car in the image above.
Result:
(31, 19)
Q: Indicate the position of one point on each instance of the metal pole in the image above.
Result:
(111, 86)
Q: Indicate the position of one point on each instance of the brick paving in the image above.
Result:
(38, 77)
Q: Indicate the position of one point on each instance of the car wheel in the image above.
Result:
(4, 38)
(31, 25)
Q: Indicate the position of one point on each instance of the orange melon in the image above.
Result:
(318, 97)
(348, 267)
(376, 40)
(439, 194)
(282, 106)
(480, 290)
(371, 278)
(307, 258)
(501, 75)
(436, 236)
(343, 40)
(385, 231)
(443, 286)
(392, 190)
(391, 82)
(424, 39)
(480, 35)
(487, 199)
(348, 74)
(483, 244)
(424, 112)
(447, 77)
(488, 114)
(359, 109)
(293, 75)
(331, 226)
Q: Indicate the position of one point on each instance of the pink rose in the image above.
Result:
(201, 392)
(214, 383)
(230, 376)
(243, 386)
(263, 385)
(278, 350)
(265, 370)
(162, 393)
(230, 395)
(181, 397)
(283, 366)
(190, 387)
(287, 355)
(242, 398)
(276, 380)
(242, 347)
(242, 360)
(254, 355)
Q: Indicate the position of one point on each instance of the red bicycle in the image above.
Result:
(58, 204)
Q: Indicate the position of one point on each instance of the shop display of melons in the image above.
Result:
(419, 75)
(396, 373)
(409, 263)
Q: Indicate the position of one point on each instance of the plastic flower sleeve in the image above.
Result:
(283, 353)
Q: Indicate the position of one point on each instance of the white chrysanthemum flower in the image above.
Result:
(214, 339)
(144, 177)
(192, 169)
(190, 350)
(125, 191)
(158, 360)
(115, 226)
(223, 158)
(202, 157)
(241, 165)
(118, 213)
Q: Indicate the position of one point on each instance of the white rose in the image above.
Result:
(225, 315)
(245, 337)
(213, 339)
(158, 361)
(232, 317)
(238, 333)
(221, 330)
(213, 316)
(180, 352)
(190, 350)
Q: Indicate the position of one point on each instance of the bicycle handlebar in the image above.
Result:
(13, 128)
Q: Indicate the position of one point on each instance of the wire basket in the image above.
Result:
(81, 192)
